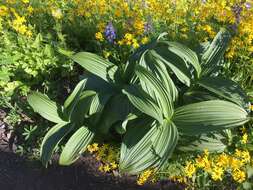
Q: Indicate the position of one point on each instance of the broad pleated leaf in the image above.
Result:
(143, 102)
(213, 143)
(164, 99)
(117, 109)
(185, 53)
(76, 145)
(82, 107)
(159, 69)
(73, 98)
(212, 57)
(45, 107)
(174, 63)
(147, 146)
(226, 89)
(52, 139)
(208, 116)
(96, 65)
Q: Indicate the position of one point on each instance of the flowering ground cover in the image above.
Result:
(160, 90)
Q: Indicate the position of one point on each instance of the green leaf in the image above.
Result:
(45, 107)
(73, 98)
(143, 102)
(147, 146)
(116, 110)
(214, 143)
(226, 89)
(52, 139)
(176, 64)
(212, 58)
(96, 65)
(208, 116)
(164, 99)
(76, 145)
(185, 53)
(4, 76)
(82, 107)
(158, 67)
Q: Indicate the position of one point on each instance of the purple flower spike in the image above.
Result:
(110, 32)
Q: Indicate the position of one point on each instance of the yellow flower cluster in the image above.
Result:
(218, 164)
(106, 154)
(144, 176)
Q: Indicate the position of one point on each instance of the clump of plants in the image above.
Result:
(166, 98)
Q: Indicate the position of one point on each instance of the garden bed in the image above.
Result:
(16, 173)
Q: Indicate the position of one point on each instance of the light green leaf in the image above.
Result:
(147, 146)
(77, 144)
(212, 58)
(96, 65)
(143, 102)
(158, 67)
(174, 63)
(73, 98)
(45, 107)
(52, 139)
(82, 107)
(208, 116)
(185, 53)
(213, 143)
(164, 99)
(226, 89)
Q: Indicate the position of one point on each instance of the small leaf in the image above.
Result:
(45, 107)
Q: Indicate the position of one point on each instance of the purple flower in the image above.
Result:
(110, 32)
(248, 5)
(148, 27)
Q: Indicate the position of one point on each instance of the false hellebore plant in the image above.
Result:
(164, 94)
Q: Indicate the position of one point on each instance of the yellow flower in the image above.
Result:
(235, 163)
(239, 175)
(30, 9)
(57, 13)
(223, 160)
(114, 165)
(217, 173)
(3, 10)
(244, 138)
(92, 148)
(135, 44)
(144, 177)
(139, 26)
(203, 162)
(190, 169)
(101, 168)
(106, 168)
(99, 36)
(25, 1)
(144, 40)
(128, 36)
(106, 54)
